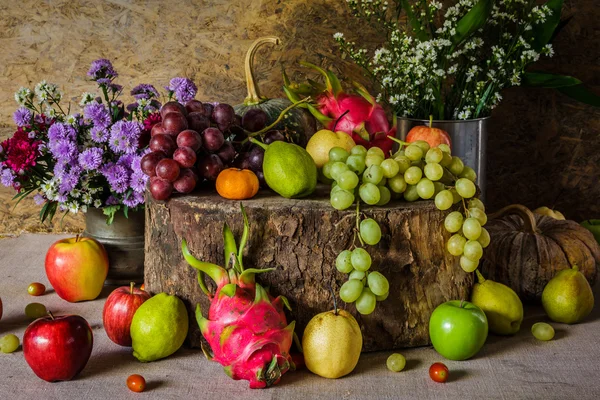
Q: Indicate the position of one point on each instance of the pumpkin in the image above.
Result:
(237, 184)
(298, 124)
(526, 250)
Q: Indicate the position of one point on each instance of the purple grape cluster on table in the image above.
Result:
(196, 141)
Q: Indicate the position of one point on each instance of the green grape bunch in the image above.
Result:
(364, 287)
(415, 172)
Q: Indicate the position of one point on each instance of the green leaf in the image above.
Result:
(483, 100)
(472, 21)
(546, 80)
(44, 212)
(228, 290)
(415, 23)
(229, 246)
(202, 284)
(542, 33)
(244, 238)
(126, 212)
(110, 211)
(581, 94)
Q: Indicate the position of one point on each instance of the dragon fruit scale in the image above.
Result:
(246, 328)
(359, 115)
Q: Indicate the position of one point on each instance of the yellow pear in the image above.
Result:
(320, 143)
(501, 305)
(568, 297)
(549, 212)
(332, 343)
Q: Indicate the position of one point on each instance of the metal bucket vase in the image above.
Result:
(123, 241)
(469, 140)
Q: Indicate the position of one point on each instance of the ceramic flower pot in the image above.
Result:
(123, 241)
(469, 141)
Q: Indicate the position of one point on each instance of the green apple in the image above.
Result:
(593, 225)
(458, 329)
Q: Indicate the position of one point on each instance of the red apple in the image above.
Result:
(58, 348)
(118, 312)
(433, 136)
(172, 106)
(76, 268)
(174, 122)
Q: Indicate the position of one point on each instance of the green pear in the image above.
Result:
(501, 305)
(568, 297)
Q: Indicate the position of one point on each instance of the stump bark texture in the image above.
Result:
(301, 239)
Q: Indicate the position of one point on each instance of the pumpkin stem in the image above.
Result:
(480, 277)
(525, 213)
(254, 96)
(575, 267)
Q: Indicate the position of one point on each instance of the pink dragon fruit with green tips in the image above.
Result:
(359, 115)
(246, 328)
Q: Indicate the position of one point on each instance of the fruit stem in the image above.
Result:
(338, 120)
(50, 314)
(335, 309)
(575, 267)
(525, 213)
(259, 143)
(480, 277)
(358, 223)
(77, 238)
(278, 120)
(399, 141)
(131, 286)
(254, 96)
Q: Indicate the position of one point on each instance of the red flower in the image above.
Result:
(151, 120)
(21, 152)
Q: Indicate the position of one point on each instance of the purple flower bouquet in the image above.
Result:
(73, 161)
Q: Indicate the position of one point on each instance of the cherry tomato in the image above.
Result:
(36, 289)
(136, 383)
(438, 372)
(142, 287)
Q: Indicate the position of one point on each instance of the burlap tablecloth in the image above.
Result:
(518, 367)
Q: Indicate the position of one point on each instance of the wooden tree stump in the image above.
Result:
(301, 239)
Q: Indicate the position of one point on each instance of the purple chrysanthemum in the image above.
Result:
(144, 91)
(31, 135)
(91, 158)
(133, 200)
(98, 134)
(102, 68)
(115, 88)
(132, 107)
(124, 136)
(22, 116)
(184, 89)
(63, 149)
(7, 177)
(138, 181)
(117, 177)
(39, 199)
(111, 201)
(61, 131)
(68, 178)
(98, 114)
(136, 163)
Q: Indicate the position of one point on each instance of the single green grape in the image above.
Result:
(456, 244)
(373, 174)
(356, 163)
(471, 228)
(446, 160)
(9, 343)
(359, 150)
(476, 203)
(453, 221)
(383, 297)
(423, 145)
(484, 238)
(413, 152)
(376, 151)
(434, 155)
(433, 171)
(425, 188)
(397, 184)
(335, 187)
(370, 231)
(473, 250)
(419, 164)
(378, 283)
(35, 310)
(413, 175)
(455, 196)
(338, 154)
(357, 275)
(343, 262)
(443, 200)
(383, 181)
(404, 163)
(390, 168)
(468, 173)
(479, 215)
(444, 147)
(338, 168)
(326, 171)
(366, 302)
(351, 290)
(411, 194)
(348, 180)
(542, 331)
(385, 196)
(396, 362)
(369, 193)
(467, 264)
(373, 159)
(439, 186)
(341, 199)
(361, 259)
(456, 166)
(465, 188)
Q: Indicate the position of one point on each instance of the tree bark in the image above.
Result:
(301, 239)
